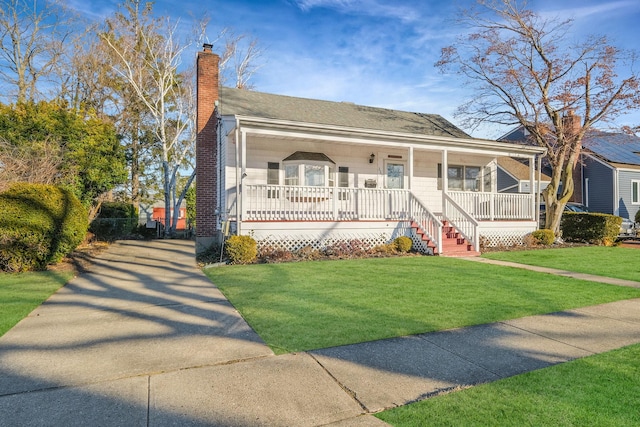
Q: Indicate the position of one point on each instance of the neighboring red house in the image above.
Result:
(159, 215)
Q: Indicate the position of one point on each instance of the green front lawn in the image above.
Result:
(309, 305)
(21, 293)
(600, 390)
(618, 262)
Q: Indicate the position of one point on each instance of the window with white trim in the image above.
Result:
(635, 192)
(273, 173)
(273, 178)
(466, 178)
(291, 175)
(343, 176)
(309, 169)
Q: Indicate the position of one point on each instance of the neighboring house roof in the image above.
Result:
(618, 148)
(518, 170)
(238, 102)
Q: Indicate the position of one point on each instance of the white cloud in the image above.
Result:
(402, 12)
(597, 10)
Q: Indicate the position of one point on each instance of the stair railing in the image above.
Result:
(427, 220)
(466, 225)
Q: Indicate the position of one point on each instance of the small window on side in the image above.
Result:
(273, 173)
(343, 176)
(635, 192)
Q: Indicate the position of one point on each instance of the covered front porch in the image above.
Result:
(307, 186)
(468, 212)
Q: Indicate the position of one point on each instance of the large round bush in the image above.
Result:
(39, 225)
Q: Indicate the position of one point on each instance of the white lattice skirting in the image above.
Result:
(504, 234)
(295, 236)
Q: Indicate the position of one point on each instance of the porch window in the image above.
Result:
(635, 192)
(273, 173)
(465, 178)
(454, 175)
(273, 178)
(343, 176)
(472, 178)
(309, 169)
(314, 175)
(291, 175)
(343, 181)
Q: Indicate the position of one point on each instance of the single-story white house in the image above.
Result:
(294, 173)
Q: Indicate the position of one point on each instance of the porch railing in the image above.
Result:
(293, 203)
(457, 216)
(427, 220)
(495, 206)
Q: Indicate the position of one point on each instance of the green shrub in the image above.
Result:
(637, 218)
(39, 225)
(543, 237)
(403, 243)
(118, 210)
(241, 249)
(596, 228)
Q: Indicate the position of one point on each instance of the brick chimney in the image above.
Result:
(571, 123)
(206, 149)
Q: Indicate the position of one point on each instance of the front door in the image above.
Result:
(395, 175)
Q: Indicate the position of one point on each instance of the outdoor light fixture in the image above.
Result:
(372, 158)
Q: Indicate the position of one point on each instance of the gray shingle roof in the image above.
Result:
(263, 105)
(305, 155)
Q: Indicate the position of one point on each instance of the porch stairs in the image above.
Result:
(453, 244)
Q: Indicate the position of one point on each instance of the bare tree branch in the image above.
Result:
(523, 71)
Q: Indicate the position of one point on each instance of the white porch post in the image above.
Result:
(538, 192)
(445, 181)
(408, 204)
(243, 175)
(238, 179)
(410, 168)
(494, 189)
(533, 184)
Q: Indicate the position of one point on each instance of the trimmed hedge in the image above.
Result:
(544, 237)
(596, 228)
(403, 243)
(241, 249)
(39, 225)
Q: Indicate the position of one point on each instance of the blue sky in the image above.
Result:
(372, 52)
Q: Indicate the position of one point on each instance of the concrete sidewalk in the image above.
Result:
(146, 339)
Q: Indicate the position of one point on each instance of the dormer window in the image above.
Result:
(309, 169)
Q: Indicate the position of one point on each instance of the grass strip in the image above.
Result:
(311, 305)
(618, 262)
(21, 293)
(600, 390)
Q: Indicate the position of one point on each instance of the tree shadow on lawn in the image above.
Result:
(293, 310)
